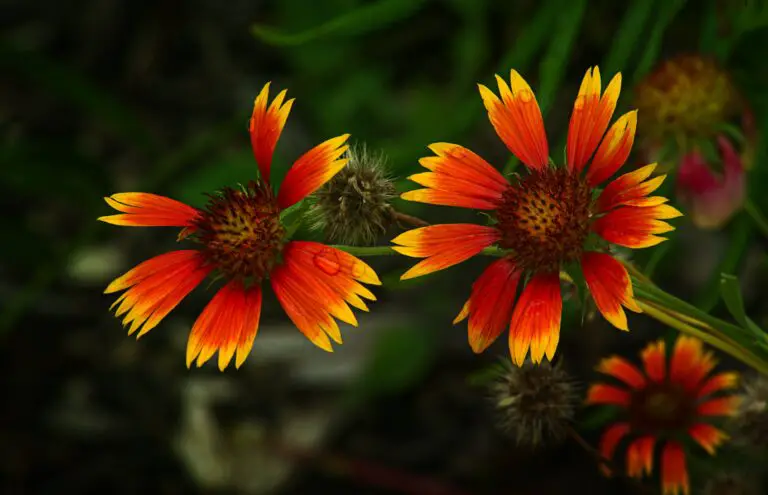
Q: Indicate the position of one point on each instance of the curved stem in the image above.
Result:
(409, 219)
(757, 216)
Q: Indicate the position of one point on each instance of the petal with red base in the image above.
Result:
(517, 120)
(614, 150)
(631, 189)
(721, 406)
(228, 324)
(443, 245)
(707, 436)
(610, 440)
(155, 287)
(690, 363)
(635, 227)
(716, 383)
(601, 393)
(536, 320)
(149, 210)
(623, 370)
(590, 117)
(674, 474)
(265, 127)
(458, 177)
(313, 169)
(490, 304)
(611, 288)
(640, 456)
(654, 358)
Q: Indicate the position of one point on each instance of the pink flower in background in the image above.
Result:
(710, 196)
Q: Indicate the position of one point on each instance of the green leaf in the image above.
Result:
(731, 293)
(627, 35)
(597, 417)
(401, 357)
(552, 68)
(664, 16)
(740, 235)
(356, 22)
(532, 37)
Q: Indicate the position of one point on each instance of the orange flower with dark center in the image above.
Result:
(240, 237)
(546, 219)
(660, 405)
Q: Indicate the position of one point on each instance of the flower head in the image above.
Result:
(662, 403)
(548, 218)
(751, 423)
(712, 197)
(536, 404)
(239, 237)
(354, 206)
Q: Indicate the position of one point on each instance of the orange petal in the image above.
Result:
(590, 117)
(609, 283)
(149, 210)
(674, 474)
(690, 363)
(640, 457)
(443, 245)
(490, 304)
(635, 227)
(517, 120)
(623, 370)
(458, 177)
(721, 406)
(707, 436)
(610, 440)
(654, 358)
(228, 324)
(716, 383)
(536, 320)
(631, 189)
(155, 287)
(313, 169)
(601, 393)
(614, 150)
(265, 127)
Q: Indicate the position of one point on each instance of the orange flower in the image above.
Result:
(660, 404)
(240, 237)
(544, 218)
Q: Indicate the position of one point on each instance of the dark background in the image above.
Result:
(98, 97)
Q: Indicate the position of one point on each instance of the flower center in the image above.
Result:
(662, 407)
(544, 219)
(240, 231)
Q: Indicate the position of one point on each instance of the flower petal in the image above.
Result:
(149, 210)
(640, 456)
(517, 120)
(631, 189)
(721, 406)
(265, 127)
(490, 304)
(443, 245)
(635, 227)
(614, 150)
(536, 320)
(600, 393)
(716, 383)
(458, 177)
(610, 440)
(674, 474)
(313, 169)
(654, 358)
(707, 436)
(690, 363)
(611, 288)
(590, 117)
(228, 324)
(155, 287)
(623, 370)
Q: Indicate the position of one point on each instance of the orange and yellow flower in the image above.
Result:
(662, 403)
(546, 219)
(239, 237)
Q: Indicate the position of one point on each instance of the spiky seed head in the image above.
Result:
(354, 207)
(750, 426)
(535, 403)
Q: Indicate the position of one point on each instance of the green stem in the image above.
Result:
(757, 216)
(364, 251)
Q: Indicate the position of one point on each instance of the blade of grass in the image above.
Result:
(627, 35)
(665, 14)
